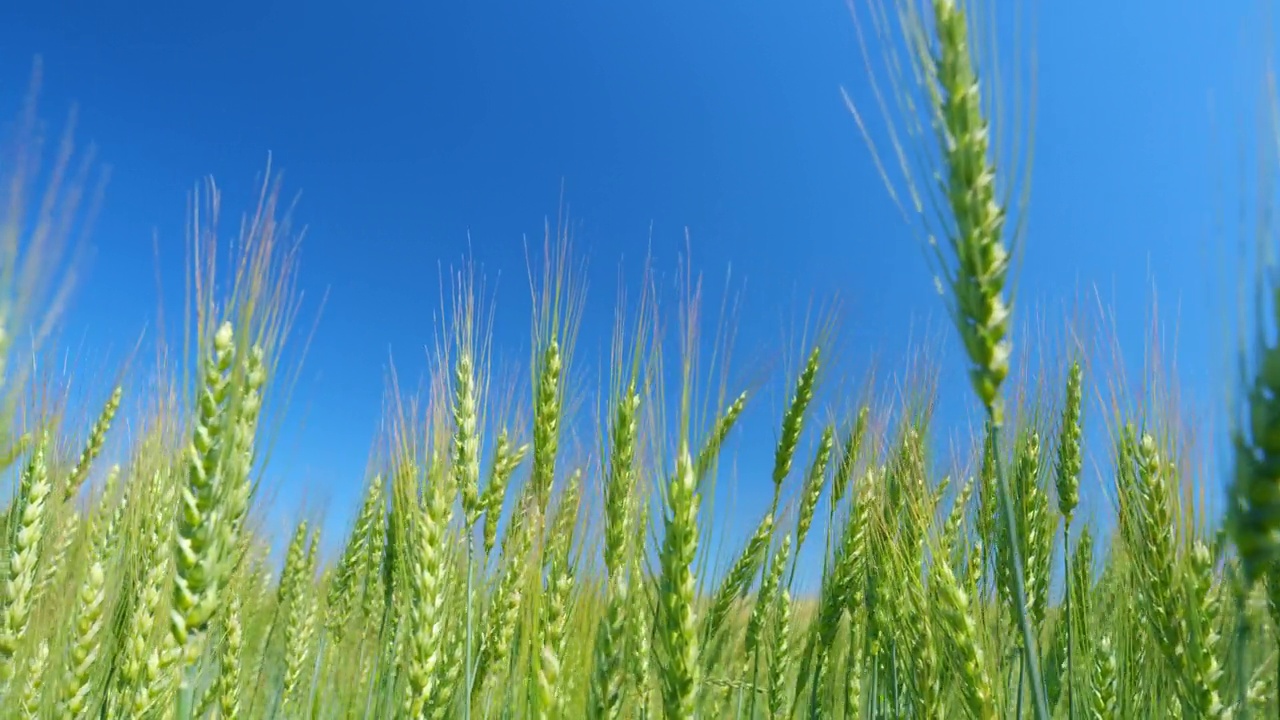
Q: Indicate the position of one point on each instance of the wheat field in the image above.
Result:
(495, 570)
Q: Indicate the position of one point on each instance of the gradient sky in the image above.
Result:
(411, 127)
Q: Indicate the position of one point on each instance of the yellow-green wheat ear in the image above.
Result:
(715, 440)
(506, 458)
(557, 599)
(97, 435)
(676, 633)
(138, 676)
(299, 624)
(1102, 681)
(780, 662)
(546, 423)
(15, 450)
(228, 683)
(504, 607)
(24, 550)
(244, 429)
(197, 550)
(466, 439)
(605, 698)
(87, 641)
(29, 700)
(354, 557)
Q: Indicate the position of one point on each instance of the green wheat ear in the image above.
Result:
(1070, 460)
(981, 259)
(963, 220)
(940, 112)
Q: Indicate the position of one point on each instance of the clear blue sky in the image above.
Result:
(409, 126)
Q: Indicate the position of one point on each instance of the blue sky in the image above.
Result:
(411, 127)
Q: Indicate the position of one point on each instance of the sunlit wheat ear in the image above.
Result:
(295, 567)
(373, 594)
(840, 586)
(65, 532)
(504, 605)
(966, 214)
(677, 630)
(506, 458)
(914, 620)
(354, 557)
(1203, 618)
(557, 599)
(793, 421)
(85, 646)
(981, 259)
(141, 666)
(426, 525)
(469, 386)
(849, 456)
(1082, 576)
(239, 459)
(197, 552)
(88, 621)
(97, 435)
(24, 550)
(299, 625)
(1070, 457)
(734, 586)
(1154, 539)
(757, 622)
(710, 451)
(768, 587)
(1035, 537)
(780, 660)
(16, 449)
(955, 519)
(29, 700)
(989, 522)
(1164, 605)
(452, 688)
(940, 128)
(227, 690)
(813, 485)
(640, 622)
(840, 576)
(960, 634)
(607, 678)
(1067, 478)
(466, 437)
(293, 580)
(974, 555)
(1102, 700)
(853, 679)
(546, 422)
